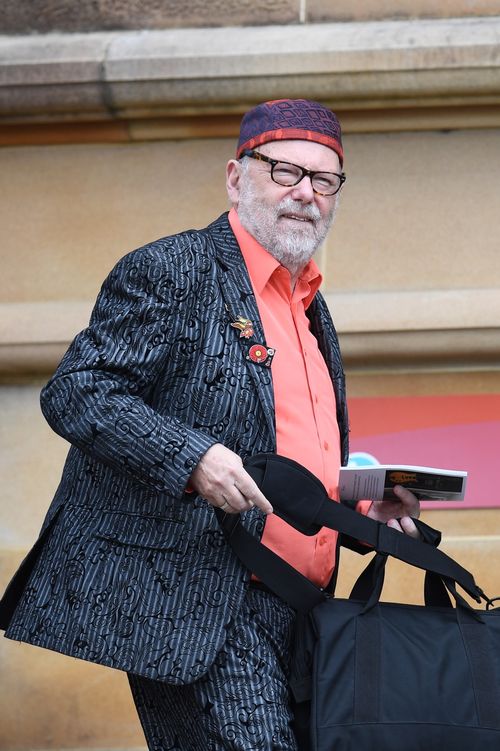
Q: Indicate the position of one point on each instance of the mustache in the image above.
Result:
(306, 211)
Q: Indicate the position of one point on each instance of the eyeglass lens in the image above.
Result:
(290, 174)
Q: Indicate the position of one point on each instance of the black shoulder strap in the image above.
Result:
(391, 542)
(281, 578)
(302, 594)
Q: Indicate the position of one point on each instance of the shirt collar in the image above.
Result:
(261, 265)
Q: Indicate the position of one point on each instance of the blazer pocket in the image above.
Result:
(157, 532)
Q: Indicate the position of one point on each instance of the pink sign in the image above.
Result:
(450, 432)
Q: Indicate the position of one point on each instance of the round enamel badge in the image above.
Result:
(258, 353)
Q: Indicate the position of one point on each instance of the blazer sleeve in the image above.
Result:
(101, 396)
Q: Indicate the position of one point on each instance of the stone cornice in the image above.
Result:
(419, 329)
(192, 73)
(415, 310)
(424, 330)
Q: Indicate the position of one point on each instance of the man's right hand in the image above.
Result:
(222, 480)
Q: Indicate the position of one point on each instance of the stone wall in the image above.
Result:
(42, 16)
(113, 136)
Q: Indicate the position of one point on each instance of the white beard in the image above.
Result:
(293, 247)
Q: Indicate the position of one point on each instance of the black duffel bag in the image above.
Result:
(393, 677)
(370, 675)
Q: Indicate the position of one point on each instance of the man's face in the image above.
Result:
(290, 222)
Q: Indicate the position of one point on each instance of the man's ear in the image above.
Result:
(233, 173)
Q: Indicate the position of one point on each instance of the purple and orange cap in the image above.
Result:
(290, 119)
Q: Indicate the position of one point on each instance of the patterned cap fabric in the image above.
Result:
(284, 119)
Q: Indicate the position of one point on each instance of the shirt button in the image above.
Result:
(326, 445)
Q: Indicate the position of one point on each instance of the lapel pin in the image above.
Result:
(261, 354)
(244, 325)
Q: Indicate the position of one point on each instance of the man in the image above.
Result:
(203, 348)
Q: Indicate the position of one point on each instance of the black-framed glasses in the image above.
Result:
(288, 174)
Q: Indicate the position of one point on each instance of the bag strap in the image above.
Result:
(302, 594)
(281, 578)
(308, 508)
(391, 542)
(435, 591)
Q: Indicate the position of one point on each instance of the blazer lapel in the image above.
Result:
(239, 300)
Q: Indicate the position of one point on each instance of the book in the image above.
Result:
(376, 482)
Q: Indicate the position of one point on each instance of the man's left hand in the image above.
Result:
(403, 508)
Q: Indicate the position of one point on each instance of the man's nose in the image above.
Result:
(303, 191)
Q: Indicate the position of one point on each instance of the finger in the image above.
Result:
(233, 500)
(248, 501)
(251, 493)
(238, 500)
(409, 527)
(410, 503)
(394, 524)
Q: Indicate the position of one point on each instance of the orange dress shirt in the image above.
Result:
(306, 424)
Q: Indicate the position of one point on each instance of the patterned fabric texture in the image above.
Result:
(242, 703)
(130, 571)
(290, 119)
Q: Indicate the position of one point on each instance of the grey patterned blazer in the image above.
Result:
(130, 571)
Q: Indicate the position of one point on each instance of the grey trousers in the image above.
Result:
(242, 703)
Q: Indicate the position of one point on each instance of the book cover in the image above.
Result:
(376, 483)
